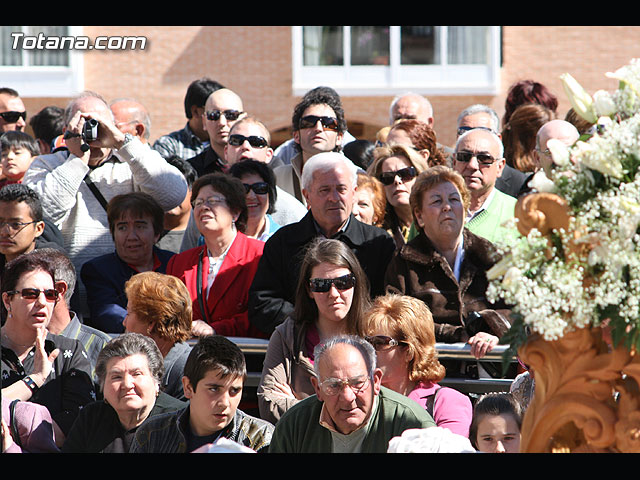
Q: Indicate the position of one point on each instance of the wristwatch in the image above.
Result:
(31, 384)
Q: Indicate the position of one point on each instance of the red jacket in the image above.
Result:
(229, 294)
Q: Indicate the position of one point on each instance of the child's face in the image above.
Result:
(214, 401)
(498, 434)
(15, 162)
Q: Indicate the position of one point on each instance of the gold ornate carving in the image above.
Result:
(586, 395)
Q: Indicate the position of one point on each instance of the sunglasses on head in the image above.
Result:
(483, 158)
(323, 285)
(12, 117)
(51, 294)
(259, 188)
(255, 141)
(405, 174)
(463, 129)
(383, 342)
(230, 115)
(310, 121)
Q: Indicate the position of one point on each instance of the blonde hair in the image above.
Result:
(379, 200)
(380, 154)
(409, 320)
(164, 298)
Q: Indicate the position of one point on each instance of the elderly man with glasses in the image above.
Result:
(479, 158)
(351, 411)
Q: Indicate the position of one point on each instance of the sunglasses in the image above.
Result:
(230, 115)
(255, 141)
(310, 121)
(461, 130)
(51, 294)
(12, 117)
(483, 158)
(383, 342)
(323, 285)
(259, 188)
(405, 174)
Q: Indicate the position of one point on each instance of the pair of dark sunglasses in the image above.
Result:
(483, 158)
(12, 117)
(51, 294)
(259, 188)
(405, 174)
(464, 129)
(255, 141)
(310, 121)
(323, 285)
(230, 115)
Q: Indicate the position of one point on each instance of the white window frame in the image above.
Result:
(47, 81)
(394, 78)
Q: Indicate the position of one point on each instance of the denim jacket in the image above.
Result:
(167, 433)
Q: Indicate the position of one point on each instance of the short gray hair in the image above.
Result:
(71, 109)
(421, 99)
(126, 345)
(365, 348)
(326, 161)
(493, 135)
(480, 108)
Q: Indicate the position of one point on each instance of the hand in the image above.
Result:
(283, 389)
(482, 343)
(200, 328)
(7, 439)
(42, 363)
(73, 137)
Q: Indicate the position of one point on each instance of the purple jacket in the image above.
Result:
(451, 409)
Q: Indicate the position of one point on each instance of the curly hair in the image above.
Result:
(409, 320)
(320, 96)
(164, 299)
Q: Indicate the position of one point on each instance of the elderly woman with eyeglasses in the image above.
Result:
(401, 330)
(37, 366)
(397, 167)
(218, 274)
(445, 266)
(332, 294)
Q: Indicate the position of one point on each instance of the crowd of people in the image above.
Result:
(128, 268)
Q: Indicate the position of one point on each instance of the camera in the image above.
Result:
(90, 130)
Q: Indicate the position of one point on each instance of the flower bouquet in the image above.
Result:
(574, 274)
(577, 263)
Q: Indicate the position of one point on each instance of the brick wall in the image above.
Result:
(256, 63)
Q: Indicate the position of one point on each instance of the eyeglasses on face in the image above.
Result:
(51, 294)
(254, 140)
(209, 202)
(259, 188)
(405, 174)
(12, 117)
(383, 342)
(230, 115)
(323, 285)
(483, 158)
(333, 386)
(310, 121)
(15, 227)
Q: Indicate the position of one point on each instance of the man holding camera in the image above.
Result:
(76, 184)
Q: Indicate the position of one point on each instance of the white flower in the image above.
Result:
(512, 276)
(559, 152)
(580, 100)
(603, 104)
(541, 183)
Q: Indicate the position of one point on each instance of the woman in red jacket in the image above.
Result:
(218, 274)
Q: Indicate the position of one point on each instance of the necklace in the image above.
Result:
(5, 336)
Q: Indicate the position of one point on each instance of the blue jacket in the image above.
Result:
(104, 278)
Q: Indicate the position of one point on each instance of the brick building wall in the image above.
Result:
(256, 62)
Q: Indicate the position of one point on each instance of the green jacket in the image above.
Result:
(299, 430)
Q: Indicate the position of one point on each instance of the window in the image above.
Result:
(35, 71)
(382, 60)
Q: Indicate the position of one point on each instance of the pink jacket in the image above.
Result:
(451, 409)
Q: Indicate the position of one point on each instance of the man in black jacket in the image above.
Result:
(328, 184)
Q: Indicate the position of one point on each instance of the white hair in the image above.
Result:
(493, 135)
(327, 161)
(480, 108)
